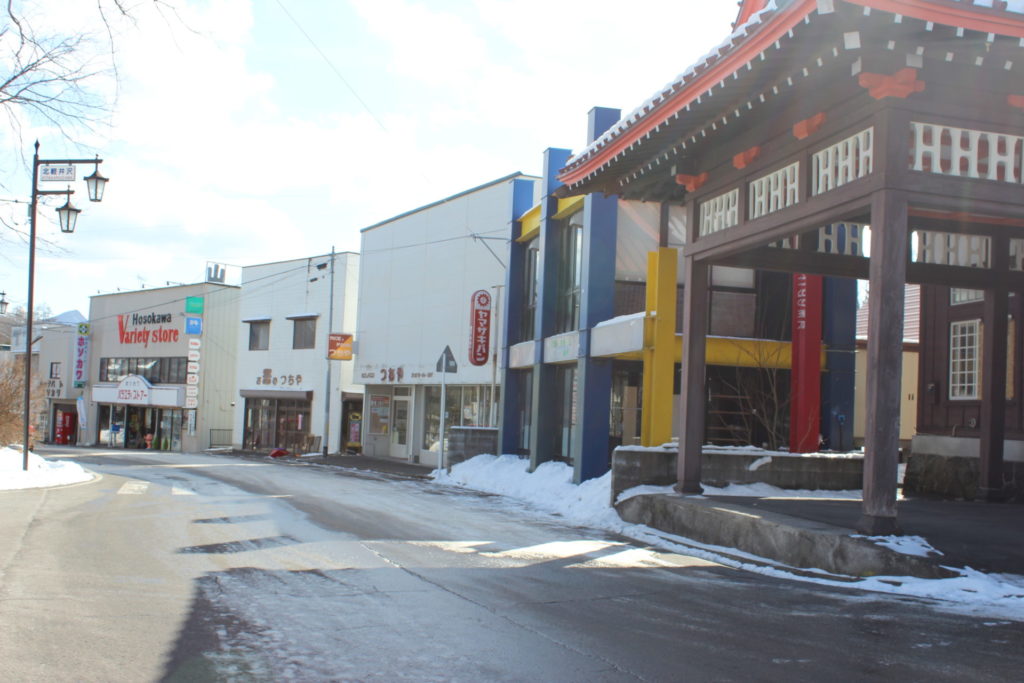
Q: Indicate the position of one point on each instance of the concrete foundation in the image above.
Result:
(795, 542)
(633, 466)
(956, 477)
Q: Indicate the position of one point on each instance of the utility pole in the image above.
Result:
(327, 390)
(496, 339)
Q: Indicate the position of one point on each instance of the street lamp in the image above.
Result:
(62, 170)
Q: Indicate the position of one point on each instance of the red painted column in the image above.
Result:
(805, 379)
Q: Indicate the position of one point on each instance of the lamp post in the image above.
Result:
(54, 170)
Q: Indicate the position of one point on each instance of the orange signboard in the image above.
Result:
(339, 346)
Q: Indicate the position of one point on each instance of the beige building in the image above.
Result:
(161, 365)
(911, 339)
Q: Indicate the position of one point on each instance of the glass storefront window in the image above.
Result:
(467, 406)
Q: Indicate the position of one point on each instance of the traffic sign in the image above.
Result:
(446, 363)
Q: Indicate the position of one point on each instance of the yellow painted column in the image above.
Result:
(659, 347)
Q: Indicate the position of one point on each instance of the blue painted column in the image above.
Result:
(590, 444)
(839, 328)
(509, 436)
(544, 415)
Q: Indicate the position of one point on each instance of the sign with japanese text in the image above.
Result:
(192, 369)
(133, 389)
(57, 172)
(193, 326)
(480, 327)
(339, 346)
(80, 364)
(805, 377)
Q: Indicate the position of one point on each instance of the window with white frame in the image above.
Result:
(958, 295)
(964, 359)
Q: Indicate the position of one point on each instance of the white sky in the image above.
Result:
(233, 139)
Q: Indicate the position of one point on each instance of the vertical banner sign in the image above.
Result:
(194, 305)
(480, 321)
(192, 374)
(80, 367)
(805, 379)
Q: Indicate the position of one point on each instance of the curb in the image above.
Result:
(788, 540)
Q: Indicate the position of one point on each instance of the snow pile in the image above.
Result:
(550, 489)
(40, 472)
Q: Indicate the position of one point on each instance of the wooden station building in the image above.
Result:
(903, 115)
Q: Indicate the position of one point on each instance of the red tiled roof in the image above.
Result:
(760, 24)
(911, 316)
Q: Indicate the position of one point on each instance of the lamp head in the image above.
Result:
(96, 183)
(68, 215)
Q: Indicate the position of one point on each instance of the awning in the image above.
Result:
(276, 394)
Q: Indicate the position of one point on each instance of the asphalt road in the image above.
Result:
(194, 568)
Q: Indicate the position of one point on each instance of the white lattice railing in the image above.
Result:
(719, 213)
(952, 249)
(843, 162)
(963, 152)
(775, 191)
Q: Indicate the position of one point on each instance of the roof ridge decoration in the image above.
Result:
(759, 30)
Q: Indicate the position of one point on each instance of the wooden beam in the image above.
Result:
(692, 392)
(799, 261)
(993, 379)
(889, 246)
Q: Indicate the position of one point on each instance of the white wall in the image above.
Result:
(417, 274)
(289, 288)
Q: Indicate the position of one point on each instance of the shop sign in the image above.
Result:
(138, 328)
(133, 389)
(339, 346)
(480, 327)
(54, 388)
(191, 422)
(80, 367)
(193, 326)
(192, 371)
(268, 378)
(194, 304)
(391, 374)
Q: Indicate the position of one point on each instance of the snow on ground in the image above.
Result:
(550, 489)
(40, 473)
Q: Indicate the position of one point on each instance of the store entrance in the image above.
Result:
(141, 427)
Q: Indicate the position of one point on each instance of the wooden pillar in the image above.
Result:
(692, 394)
(887, 277)
(993, 377)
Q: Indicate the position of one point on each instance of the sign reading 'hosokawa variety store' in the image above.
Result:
(146, 329)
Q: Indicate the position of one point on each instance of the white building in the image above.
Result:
(282, 349)
(162, 367)
(59, 369)
(419, 273)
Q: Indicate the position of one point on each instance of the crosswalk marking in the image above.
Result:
(175, 491)
(133, 488)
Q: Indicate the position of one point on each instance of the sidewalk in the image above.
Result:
(820, 534)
